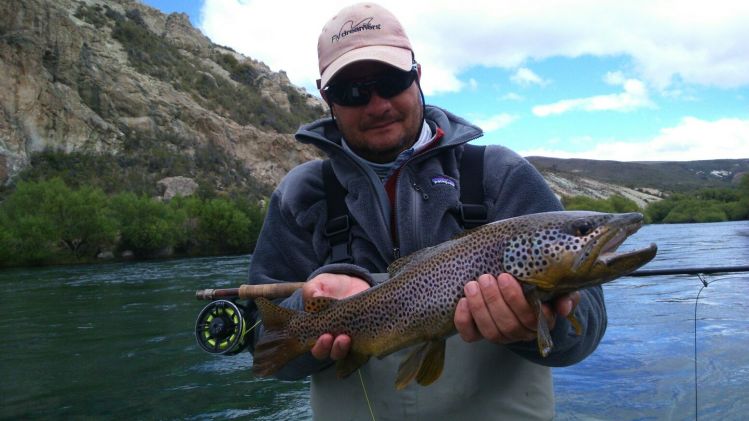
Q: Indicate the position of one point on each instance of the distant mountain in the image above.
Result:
(641, 181)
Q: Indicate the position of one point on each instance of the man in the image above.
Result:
(398, 161)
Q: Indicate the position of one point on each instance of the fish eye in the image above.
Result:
(582, 228)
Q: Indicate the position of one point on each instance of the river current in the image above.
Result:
(116, 341)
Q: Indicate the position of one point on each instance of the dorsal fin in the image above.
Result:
(416, 257)
(317, 304)
(395, 267)
(401, 264)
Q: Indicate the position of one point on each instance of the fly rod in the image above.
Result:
(690, 271)
(284, 289)
(250, 292)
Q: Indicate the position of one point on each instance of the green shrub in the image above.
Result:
(614, 204)
(219, 225)
(147, 226)
(46, 219)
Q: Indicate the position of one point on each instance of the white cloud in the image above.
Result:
(495, 122)
(525, 76)
(692, 41)
(634, 96)
(692, 139)
(614, 78)
(511, 96)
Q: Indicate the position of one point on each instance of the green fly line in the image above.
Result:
(366, 397)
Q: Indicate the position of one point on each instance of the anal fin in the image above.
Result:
(432, 364)
(425, 364)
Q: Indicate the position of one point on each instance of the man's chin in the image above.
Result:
(382, 155)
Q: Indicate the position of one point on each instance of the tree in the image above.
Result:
(46, 218)
(147, 226)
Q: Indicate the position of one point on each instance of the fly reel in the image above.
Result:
(221, 328)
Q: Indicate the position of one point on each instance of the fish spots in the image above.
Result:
(422, 297)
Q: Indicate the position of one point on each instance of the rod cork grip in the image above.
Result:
(279, 290)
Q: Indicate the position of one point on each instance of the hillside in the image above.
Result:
(642, 182)
(124, 95)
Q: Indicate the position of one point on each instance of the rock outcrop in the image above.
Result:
(179, 186)
(565, 185)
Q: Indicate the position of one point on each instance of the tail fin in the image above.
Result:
(277, 347)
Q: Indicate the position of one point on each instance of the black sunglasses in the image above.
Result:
(355, 94)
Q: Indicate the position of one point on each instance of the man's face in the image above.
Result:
(384, 127)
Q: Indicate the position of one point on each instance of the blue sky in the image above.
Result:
(641, 80)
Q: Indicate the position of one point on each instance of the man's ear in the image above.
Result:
(325, 98)
(418, 71)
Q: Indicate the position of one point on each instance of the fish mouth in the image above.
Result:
(622, 262)
(610, 257)
(644, 254)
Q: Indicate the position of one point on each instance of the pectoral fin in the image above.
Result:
(351, 363)
(575, 323)
(543, 336)
(424, 364)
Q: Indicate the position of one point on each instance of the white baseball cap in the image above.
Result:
(364, 31)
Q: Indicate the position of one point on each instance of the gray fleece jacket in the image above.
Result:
(480, 380)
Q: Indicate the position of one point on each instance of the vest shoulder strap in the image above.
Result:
(473, 210)
(338, 227)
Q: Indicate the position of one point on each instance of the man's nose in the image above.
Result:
(377, 104)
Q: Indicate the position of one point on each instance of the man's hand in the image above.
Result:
(338, 287)
(495, 309)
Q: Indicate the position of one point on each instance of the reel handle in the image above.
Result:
(250, 292)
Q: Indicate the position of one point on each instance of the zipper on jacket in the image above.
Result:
(420, 191)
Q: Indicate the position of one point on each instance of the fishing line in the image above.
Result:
(696, 388)
(705, 284)
(259, 320)
(364, 388)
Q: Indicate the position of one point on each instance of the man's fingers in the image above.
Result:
(515, 300)
(566, 304)
(480, 313)
(327, 346)
(464, 322)
(322, 347)
(341, 346)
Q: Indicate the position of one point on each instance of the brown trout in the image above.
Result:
(548, 253)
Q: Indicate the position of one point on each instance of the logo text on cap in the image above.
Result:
(363, 25)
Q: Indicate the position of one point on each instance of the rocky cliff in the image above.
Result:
(146, 91)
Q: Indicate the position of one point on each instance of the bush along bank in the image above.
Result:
(706, 205)
(47, 222)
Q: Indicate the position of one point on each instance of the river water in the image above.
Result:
(116, 341)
